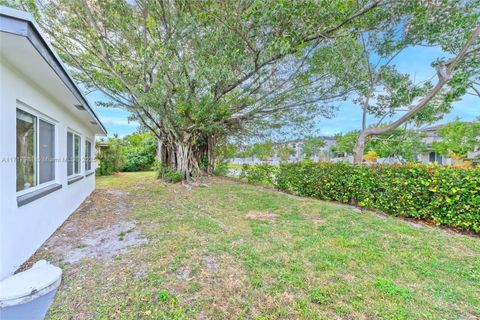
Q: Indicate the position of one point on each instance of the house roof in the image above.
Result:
(433, 128)
(439, 126)
(21, 23)
(326, 138)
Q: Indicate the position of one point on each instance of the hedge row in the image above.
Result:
(443, 195)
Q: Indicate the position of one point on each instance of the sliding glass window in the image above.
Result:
(88, 156)
(35, 150)
(74, 150)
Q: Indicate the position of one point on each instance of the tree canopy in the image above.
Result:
(197, 72)
(312, 146)
(192, 72)
(402, 144)
(458, 138)
(383, 92)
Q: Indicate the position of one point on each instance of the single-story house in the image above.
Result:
(430, 155)
(47, 140)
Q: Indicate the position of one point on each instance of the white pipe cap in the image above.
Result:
(24, 286)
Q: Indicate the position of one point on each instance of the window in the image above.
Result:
(88, 156)
(73, 153)
(439, 159)
(35, 150)
(435, 157)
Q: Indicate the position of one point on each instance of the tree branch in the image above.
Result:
(443, 78)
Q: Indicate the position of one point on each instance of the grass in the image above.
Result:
(234, 166)
(315, 260)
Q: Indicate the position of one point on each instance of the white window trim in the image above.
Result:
(80, 173)
(39, 116)
(91, 156)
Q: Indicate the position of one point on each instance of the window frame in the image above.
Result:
(90, 160)
(438, 158)
(38, 116)
(80, 170)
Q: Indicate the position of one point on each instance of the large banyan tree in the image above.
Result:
(196, 72)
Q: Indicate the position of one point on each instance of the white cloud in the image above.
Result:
(120, 121)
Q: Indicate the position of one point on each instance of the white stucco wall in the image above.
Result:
(24, 229)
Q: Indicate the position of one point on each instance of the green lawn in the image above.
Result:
(234, 166)
(233, 251)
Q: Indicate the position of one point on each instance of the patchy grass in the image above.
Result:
(236, 251)
(234, 166)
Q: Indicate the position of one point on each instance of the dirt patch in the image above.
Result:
(212, 263)
(315, 220)
(116, 193)
(415, 224)
(232, 197)
(346, 206)
(98, 230)
(223, 286)
(103, 244)
(183, 273)
(261, 215)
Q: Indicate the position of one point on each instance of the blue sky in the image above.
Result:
(415, 61)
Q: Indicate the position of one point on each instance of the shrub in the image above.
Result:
(167, 174)
(221, 169)
(371, 156)
(135, 152)
(261, 173)
(137, 159)
(139, 151)
(443, 195)
(110, 157)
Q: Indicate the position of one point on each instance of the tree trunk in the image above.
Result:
(359, 148)
(211, 153)
(161, 151)
(186, 162)
(186, 155)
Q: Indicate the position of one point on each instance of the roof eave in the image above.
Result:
(23, 24)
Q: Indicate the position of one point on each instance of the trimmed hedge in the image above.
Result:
(259, 173)
(443, 195)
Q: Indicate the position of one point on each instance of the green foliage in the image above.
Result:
(110, 157)
(135, 152)
(402, 143)
(263, 151)
(312, 146)
(192, 70)
(389, 288)
(262, 173)
(139, 152)
(345, 142)
(458, 138)
(188, 71)
(168, 174)
(221, 169)
(225, 151)
(443, 195)
(284, 151)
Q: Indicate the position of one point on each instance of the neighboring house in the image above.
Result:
(296, 146)
(99, 147)
(324, 154)
(430, 155)
(47, 141)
